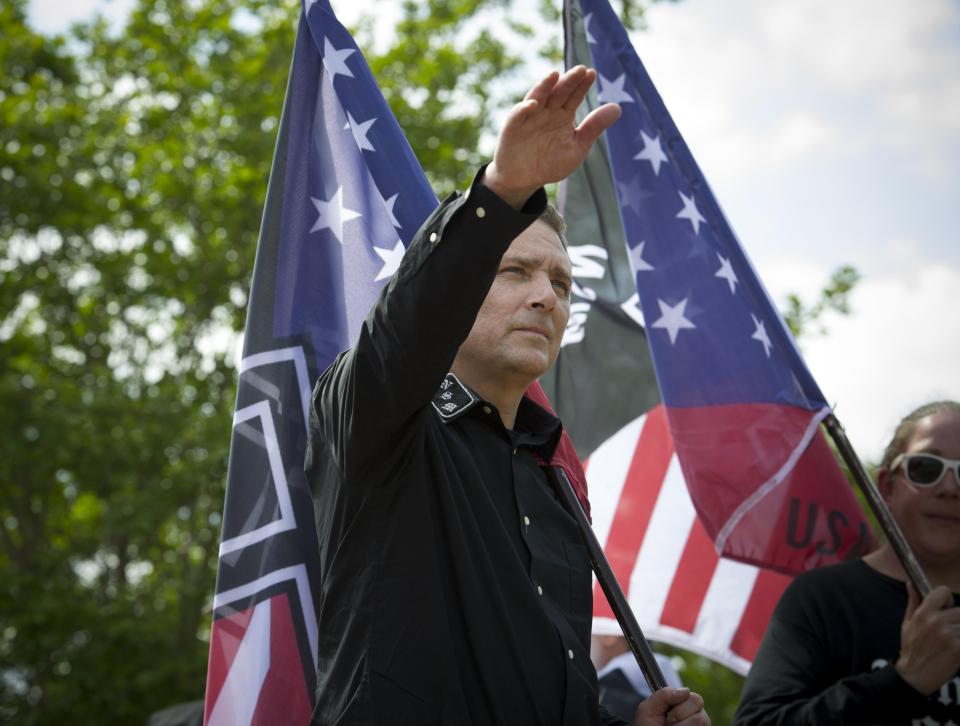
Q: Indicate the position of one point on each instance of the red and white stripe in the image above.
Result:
(255, 674)
(681, 591)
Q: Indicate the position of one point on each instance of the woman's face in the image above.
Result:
(930, 516)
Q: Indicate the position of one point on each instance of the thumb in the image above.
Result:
(597, 121)
(655, 708)
(670, 697)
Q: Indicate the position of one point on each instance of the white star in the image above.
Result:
(360, 132)
(586, 28)
(391, 260)
(672, 320)
(652, 152)
(390, 202)
(332, 214)
(636, 259)
(335, 61)
(727, 273)
(690, 212)
(761, 334)
(612, 91)
(632, 194)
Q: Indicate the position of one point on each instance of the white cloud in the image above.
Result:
(869, 73)
(798, 134)
(855, 43)
(55, 16)
(897, 350)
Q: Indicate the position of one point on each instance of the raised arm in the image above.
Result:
(411, 337)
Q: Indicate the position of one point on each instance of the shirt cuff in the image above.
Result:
(481, 194)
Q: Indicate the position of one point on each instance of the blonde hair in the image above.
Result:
(906, 426)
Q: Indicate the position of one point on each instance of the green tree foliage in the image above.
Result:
(133, 168)
(807, 320)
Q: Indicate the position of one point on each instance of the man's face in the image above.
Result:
(929, 516)
(518, 330)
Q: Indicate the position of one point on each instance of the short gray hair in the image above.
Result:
(555, 221)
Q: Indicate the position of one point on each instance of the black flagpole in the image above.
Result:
(879, 507)
(608, 582)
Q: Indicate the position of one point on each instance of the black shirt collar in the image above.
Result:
(534, 426)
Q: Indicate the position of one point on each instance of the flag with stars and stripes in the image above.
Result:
(346, 195)
(732, 461)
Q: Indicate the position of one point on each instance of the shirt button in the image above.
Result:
(487, 409)
(515, 452)
(481, 212)
(539, 590)
(433, 236)
(526, 521)
(570, 654)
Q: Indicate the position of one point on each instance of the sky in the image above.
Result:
(830, 133)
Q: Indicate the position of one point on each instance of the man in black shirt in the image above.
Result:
(456, 589)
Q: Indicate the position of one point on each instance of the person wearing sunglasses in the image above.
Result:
(854, 643)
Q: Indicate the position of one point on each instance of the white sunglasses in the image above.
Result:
(925, 470)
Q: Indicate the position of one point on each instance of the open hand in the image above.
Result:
(540, 143)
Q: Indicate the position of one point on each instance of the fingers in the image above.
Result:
(937, 599)
(571, 88)
(935, 610)
(686, 709)
(541, 91)
(663, 700)
(523, 110)
(598, 121)
(913, 600)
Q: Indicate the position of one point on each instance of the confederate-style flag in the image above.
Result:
(345, 196)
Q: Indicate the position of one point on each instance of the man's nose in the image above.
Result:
(542, 293)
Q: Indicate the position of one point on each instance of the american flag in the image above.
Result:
(743, 409)
(346, 195)
(732, 462)
(680, 590)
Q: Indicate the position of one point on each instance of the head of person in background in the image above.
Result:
(918, 479)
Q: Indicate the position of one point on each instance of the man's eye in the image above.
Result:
(562, 286)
